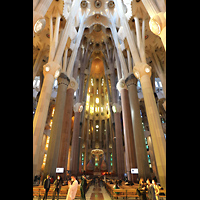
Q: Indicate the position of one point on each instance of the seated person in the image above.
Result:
(116, 186)
(129, 183)
(111, 182)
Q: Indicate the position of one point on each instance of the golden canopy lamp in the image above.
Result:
(97, 154)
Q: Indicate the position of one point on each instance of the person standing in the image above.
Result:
(151, 190)
(83, 186)
(57, 184)
(72, 188)
(46, 186)
(157, 191)
(142, 190)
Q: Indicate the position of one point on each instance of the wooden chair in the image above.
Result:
(131, 193)
(116, 193)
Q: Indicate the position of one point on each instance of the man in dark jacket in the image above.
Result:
(57, 184)
(83, 186)
(142, 190)
(46, 186)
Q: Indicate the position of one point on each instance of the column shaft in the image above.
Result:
(66, 130)
(54, 143)
(159, 144)
(75, 144)
(128, 135)
(119, 145)
(43, 6)
(140, 148)
(40, 117)
(107, 144)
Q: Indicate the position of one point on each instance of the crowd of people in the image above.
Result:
(73, 186)
(149, 187)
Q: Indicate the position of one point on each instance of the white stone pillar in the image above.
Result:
(127, 31)
(55, 135)
(39, 21)
(51, 71)
(143, 72)
(157, 25)
(157, 22)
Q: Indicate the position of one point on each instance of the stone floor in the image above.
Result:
(95, 192)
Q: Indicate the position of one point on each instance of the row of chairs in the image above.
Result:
(39, 192)
(127, 193)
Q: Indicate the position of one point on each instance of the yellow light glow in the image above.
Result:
(51, 122)
(97, 100)
(44, 159)
(91, 109)
(53, 111)
(47, 143)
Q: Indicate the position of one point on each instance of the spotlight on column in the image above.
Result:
(114, 109)
(39, 25)
(80, 108)
(136, 73)
(47, 68)
(57, 73)
(147, 69)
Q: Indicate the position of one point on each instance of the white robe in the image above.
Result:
(72, 191)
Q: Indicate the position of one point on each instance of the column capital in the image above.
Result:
(157, 23)
(52, 68)
(73, 84)
(63, 79)
(116, 108)
(141, 69)
(121, 85)
(39, 22)
(131, 80)
(78, 107)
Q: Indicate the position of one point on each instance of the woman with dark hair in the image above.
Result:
(142, 190)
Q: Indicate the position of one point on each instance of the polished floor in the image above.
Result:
(95, 192)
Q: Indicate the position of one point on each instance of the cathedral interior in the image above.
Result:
(99, 87)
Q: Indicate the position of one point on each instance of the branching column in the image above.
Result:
(40, 11)
(140, 148)
(75, 139)
(157, 22)
(119, 141)
(66, 126)
(49, 70)
(128, 130)
(143, 72)
(118, 125)
(54, 144)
